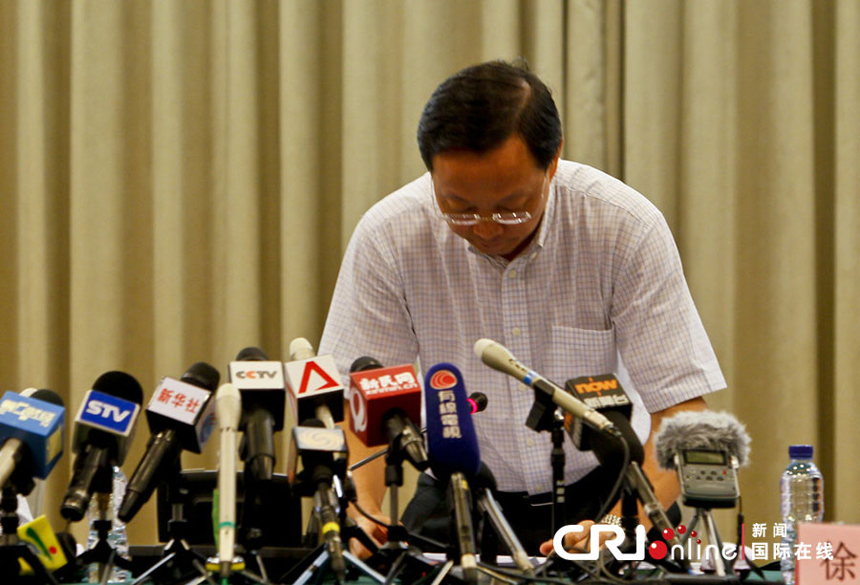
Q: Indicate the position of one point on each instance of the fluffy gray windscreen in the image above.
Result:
(716, 431)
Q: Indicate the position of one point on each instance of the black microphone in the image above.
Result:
(383, 403)
(609, 447)
(261, 384)
(478, 401)
(181, 415)
(602, 393)
(104, 428)
(320, 449)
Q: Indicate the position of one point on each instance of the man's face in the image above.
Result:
(503, 180)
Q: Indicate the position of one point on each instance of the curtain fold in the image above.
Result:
(846, 310)
(179, 180)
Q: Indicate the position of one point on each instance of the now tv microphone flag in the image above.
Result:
(451, 440)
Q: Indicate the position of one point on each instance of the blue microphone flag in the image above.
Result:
(38, 424)
(452, 444)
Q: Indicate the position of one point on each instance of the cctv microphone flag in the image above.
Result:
(261, 382)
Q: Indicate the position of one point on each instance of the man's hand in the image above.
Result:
(576, 542)
(378, 534)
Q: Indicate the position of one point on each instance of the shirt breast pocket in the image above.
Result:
(581, 352)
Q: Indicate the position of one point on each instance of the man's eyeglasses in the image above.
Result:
(471, 219)
(503, 217)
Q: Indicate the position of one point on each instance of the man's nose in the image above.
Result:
(487, 230)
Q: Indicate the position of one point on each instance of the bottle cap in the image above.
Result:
(800, 451)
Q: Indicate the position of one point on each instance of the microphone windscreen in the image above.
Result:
(714, 431)
(478, 401)
(121, 385)
(364, 363)
(452, 444)
(202, 375)
(251, 354)
(46, 395)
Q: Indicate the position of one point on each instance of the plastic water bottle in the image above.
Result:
(117, 538)
(802, 490)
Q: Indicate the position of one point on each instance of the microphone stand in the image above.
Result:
(322, 479)
(13, 549)
(178, 559)
(102, 552)
(544, 416)
(705, 515)
(318, 560)
(636, 486)
(397, 555)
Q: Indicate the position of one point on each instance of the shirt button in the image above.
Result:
(530, 442)
(512, 274)
(516, 331)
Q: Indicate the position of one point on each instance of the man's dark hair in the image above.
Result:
(482, 106)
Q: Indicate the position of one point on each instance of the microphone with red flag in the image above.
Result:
(313, 385)
(383, 404)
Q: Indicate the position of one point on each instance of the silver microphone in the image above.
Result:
(501, 359)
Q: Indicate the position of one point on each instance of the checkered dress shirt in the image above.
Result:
(600, 289)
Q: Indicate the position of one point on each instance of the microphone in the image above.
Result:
(383, 402)
(478, 402)
(261, 384)
(181, 415)
(453, 449)
(32, 426)
(313, 384)
(704, 430)
(485, 486)
(606, 393)
(45, 543)
(501, 359)
(104, 428)
(323, 453)
(228, 405)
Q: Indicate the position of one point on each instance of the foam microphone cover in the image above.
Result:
(364, 363)
(709, 430)
(121, 385)
(452, 444)
(202, 375)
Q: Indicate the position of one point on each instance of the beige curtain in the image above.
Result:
(179, 179)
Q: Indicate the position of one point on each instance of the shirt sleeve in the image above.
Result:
(659, 333)
(369, 315)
